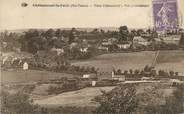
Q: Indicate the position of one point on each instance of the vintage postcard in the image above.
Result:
(92, 56)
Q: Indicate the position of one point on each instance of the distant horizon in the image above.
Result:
(107, 28)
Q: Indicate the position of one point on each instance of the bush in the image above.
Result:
(141, 99)
(155, 103)
(28, 88)
(19, 103)
(121, 100)
(65, 87)
(71, 110)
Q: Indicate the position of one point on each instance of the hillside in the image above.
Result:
(167, 60)
(80, 98)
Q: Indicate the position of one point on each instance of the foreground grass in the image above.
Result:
(151, 98)
(81, 98)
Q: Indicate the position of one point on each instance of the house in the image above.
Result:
(112, 40)
(93, 83)
(57, 50)
(86, 76)
(104, 75)
(83, 46)
(118, 77)
(140, 40)
(25, 66)
(91, 76)
(84, 50)
(180, 74)
(108, 42)
(103, 48)
(171, 39)
(124, 45)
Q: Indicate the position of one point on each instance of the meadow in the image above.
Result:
(21, 76)
(81, 98)
(167, 60)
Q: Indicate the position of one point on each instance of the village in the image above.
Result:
(80, 45)
(50, 63)
(92, 57)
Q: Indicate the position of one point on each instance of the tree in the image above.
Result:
(140, 32)
(49, 33)
(58, 33)
(72, 35)
(147, 68)
(19, 103)
(119, 71)
(182, 40)
(121, 100)
(131, 36)
(131, 71)
(148, 31)
(136, 72)
(93, 69)
(153, 73)
(123, 30)
(31, 41)
(171, 73)
(176, 73)
(125, 72)
(95, 31)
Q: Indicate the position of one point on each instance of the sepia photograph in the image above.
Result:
(91, 57)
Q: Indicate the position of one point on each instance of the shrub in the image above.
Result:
(28, 88)
(65, 87)
(120, 100)
(19, 103)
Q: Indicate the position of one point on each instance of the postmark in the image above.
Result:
(165, 14)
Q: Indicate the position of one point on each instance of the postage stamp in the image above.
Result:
(165, 14)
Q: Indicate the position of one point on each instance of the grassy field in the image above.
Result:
(15, 76)
(83, 97)
(77, 98)
(167, 60)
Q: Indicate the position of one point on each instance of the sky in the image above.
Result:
(13, 16)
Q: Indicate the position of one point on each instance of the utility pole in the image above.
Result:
(155, 59)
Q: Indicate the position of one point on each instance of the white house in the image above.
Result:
(25, 66)
(107, 43)
(172, 39)
(180, 74)
(117, 77)
(84, 49)
(86, 76)
(124, 46)
(103, 48)
(112, 40)
(90, 76)
(93, 83)
(140, 40)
